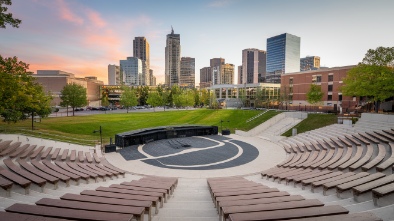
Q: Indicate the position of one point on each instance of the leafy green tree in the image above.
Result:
(142, 93)
(20, 95)
(73, 95)
(155, 100)
(6, 18)
(213, 101)
(373, 77)
(204, 98)
(128, 98)
(315, 94)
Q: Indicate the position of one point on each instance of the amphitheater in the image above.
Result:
(338, 172)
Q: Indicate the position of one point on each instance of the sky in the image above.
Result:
(83, 37)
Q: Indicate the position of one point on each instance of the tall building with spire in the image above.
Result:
(173, 59)
(141, 50)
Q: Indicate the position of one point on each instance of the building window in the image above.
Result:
(330, 77)
(329, 97)
(316, 78)
(291, 81)
(340, 97)
(330, 87)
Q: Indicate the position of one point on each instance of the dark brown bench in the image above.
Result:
(6, 185)
(248, 195)
(25, 217)
(59, 170)
(65, 167)
(344, 190)
(133, 192)
(367, 156)
(314, 154)
(19, 151)
(356, 157)
(154, 200)
(46, 153)
(288, 159)
(362, 139)
(110, 166)
(73, 155)
(345, 157)
(137, 212)
(309, 181)
(362, 192)
(76, 168)
(384, 195)
(162, 191)
(312, 174)
(369, 137)
(375, 161)
(290, 213)
(81, 157)
(333, 184)
(388, 162)
(386, 135)
(5, 144)
(315, 186)
(96, 158)
(86, 169)
(226, 211)
(322, 154)
(43, 168)
(33, 178)
(67, 213)
(11, 148)
(165, 186)
(116, 173)
(64, 155)
(15, 178)
(379, 137)
(49, 178)
(36, 152)
(363, 216)
(173, 181)
(28, 151)
(88, 157)
(55, 154)
(317, 164)
(291, 173)
(327, 161)
(94, 167)
(113, 201)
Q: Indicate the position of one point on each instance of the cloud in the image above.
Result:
(68, 15)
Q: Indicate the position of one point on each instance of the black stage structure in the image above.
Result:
(147, 135)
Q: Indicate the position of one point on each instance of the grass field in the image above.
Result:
(313, 121)
(79, 129)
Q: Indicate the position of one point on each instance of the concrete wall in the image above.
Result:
(264, 126)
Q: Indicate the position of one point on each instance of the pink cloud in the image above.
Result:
(67, 14)
(96, 19)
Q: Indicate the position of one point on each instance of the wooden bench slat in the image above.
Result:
(73, 155)
(377, 136)
(357, 156)
(119, 195)
(89, 157)
(65, 167)
(76, 168)
(363, 160)
(94, 167)
(88, 169)
(55, 154)
(37, 172)
(81, 157)
(253, 196)
(49, 171)
(332, 179)
(162, 191)
(16, 169)
(17, 179)
(373, 184)
(36, 152)
(25, 217)
(322, 177)
(110, 166)
(388, 162)
(290, 213)
(311, 175)
(64, 154)
(261, 201)
(46, 152)
(11, 148)
(19, 150)
(96, 158)
(384, 190)
(375, 161)
(368, 137)
(28, 151)
(5, 144)
(363, 216)
(67, 213)
(106, 169)
(60, 170)
(345, 180)
(359, 181)
(362, 139)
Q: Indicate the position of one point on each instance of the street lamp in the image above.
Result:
(101, 137)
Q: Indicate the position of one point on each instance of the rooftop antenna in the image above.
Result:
(172, 30)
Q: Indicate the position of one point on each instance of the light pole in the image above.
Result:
(101, 136)
(221, 125)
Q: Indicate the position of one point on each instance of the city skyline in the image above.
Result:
(83, 37)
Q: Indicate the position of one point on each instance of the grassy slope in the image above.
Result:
(313, 121)
(81, 127)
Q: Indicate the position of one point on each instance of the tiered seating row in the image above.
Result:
(239, 199)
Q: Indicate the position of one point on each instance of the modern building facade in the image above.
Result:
(152, 78)
(216, 62)
(283, 56)
(141, 50)
(172, 59)
(205, 77)
(227, 74)
(309, 63)
(253, 66)
(53, 81)
(239, 80)
(330, 79)
(114, 77)
(131, 70)
(188, 72)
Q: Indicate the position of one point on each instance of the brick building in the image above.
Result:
(297, 85)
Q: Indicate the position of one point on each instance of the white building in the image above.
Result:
(114, 77)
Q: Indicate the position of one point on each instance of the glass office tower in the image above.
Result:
(283, 56)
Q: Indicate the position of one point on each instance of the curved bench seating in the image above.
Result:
(36, 152)
(28, 151)
(375, 161)
(19, 150)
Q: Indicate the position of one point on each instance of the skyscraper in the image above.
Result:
(253, 66)
(205, 77)
(114, 77)
(310, 63)
(131, 70)
(283, 56)
(141, 50)
(173, 59)
(188, 72)
(152, 78)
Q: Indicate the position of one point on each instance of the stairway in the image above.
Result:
(191, 201)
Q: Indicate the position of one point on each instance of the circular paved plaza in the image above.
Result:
(200, 157)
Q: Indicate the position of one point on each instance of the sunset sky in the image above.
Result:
(83, 37)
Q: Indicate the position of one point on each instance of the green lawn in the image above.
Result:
(79, 129)
(313, 121)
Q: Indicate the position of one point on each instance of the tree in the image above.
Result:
(73, 95)
(204, 96)
(142, 93)
(314, 95)
(128, 98)
(20, 95)
(373, 77)
(154, 99)
(6, 18)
